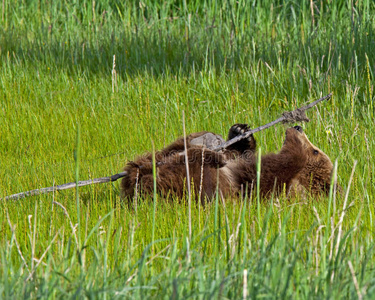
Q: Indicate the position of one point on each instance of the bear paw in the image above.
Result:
(248, 144)
(237, 129)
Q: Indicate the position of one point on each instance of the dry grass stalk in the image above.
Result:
(70, 221)
(187, 173)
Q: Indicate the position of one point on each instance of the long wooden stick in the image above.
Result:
(65, 186)
(295, 115)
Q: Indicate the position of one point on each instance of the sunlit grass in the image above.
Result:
(218, 63)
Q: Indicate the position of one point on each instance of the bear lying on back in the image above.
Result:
(299, 167)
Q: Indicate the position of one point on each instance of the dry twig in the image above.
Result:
(65, 186)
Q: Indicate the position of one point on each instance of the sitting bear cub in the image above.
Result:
(299, 167)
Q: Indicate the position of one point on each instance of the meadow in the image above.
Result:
(85, 86)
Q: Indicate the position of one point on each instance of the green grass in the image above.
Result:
(218, 62)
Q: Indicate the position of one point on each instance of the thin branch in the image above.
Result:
(292, 116)
(66, 186)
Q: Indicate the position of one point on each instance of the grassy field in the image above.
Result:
(67, 112)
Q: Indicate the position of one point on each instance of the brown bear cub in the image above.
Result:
(299, 167)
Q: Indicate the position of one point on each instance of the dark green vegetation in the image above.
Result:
(219, 62)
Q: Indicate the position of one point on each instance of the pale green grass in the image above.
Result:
(219, 63)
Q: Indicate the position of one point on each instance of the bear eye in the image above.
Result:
(298, 128)
(316, 152)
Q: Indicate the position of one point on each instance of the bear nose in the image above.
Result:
(298, 128)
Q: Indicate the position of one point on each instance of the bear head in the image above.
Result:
(316, 175)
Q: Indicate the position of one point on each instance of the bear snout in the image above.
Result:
(298, 128)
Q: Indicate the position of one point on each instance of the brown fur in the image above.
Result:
(171, 170)
(294, 169)
(315, 177)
